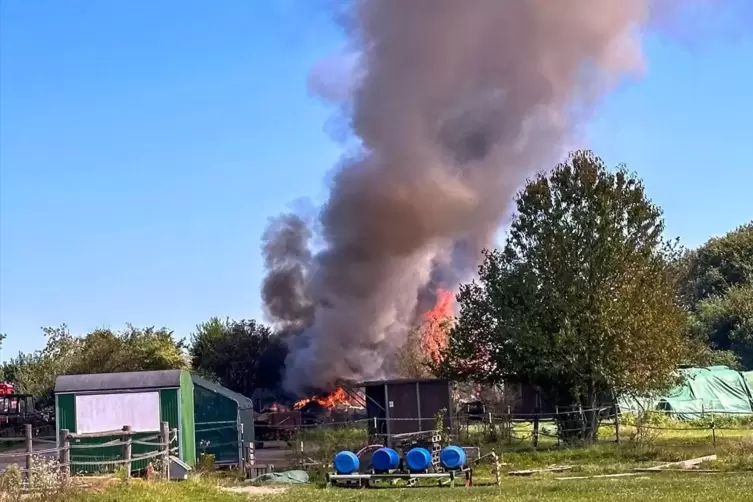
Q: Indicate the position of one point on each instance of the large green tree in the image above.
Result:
(716, 287)
(721, 263)
(581, 300)
(241, 355)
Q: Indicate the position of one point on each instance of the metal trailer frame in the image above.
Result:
(361, 480)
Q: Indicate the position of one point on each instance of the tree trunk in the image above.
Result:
(580, 424)
(592, 415)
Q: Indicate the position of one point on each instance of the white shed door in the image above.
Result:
(110, 412)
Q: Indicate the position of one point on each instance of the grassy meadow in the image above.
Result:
(653, 487)
(643, 444)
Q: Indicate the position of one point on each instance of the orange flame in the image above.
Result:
(337, 398)
(436, 323)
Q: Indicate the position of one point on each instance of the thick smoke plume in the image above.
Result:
(287, 258)
(455, 103)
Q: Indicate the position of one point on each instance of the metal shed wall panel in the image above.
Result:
(65, 414)
(403, 408)
(375, 409)
(186, 418)
(169, 405)
(216, 419)
(415, 404)
(435, 396)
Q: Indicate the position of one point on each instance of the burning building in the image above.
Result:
(278, 420)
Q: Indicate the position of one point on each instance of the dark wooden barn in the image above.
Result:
(396, 407)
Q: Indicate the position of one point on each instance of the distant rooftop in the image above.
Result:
(396, 381)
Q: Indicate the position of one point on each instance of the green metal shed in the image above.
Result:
(107, 402)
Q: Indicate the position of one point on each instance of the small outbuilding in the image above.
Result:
(407, 406)
(208, 417)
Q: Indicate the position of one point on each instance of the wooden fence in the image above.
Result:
(67, 442)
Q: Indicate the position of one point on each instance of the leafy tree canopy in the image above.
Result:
(716, 281)
(581, 300)
(718, 265)
(101, 351)
(726, 324)
(240, 355)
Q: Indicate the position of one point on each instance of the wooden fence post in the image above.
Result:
(558, 424)
(65, 453)
(617, 422)
(164, 439)
(489, 430)
(509, 425)
(28, 435)
(239, 426)
(126, 438)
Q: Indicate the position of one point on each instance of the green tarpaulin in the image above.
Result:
(282, 478)
(748, 375)
(717, 389)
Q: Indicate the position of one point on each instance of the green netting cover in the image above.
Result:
(716, 389)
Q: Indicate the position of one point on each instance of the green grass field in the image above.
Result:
(667, 442)
(655, 487)
(733, 483)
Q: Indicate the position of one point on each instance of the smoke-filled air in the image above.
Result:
(454, 103)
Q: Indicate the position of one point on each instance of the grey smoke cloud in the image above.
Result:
(455, 103)
(285, 246)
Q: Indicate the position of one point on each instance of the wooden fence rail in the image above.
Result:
(124, 439)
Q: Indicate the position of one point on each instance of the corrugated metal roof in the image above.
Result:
(129, 381)
(244, 403)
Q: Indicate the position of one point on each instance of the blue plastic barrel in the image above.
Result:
(452, 457)
(385, 459)
(418, 459)
(346, 462)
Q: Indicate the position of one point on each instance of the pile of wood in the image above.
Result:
(681, 466)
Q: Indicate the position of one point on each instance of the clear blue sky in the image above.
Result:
(144, 144)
